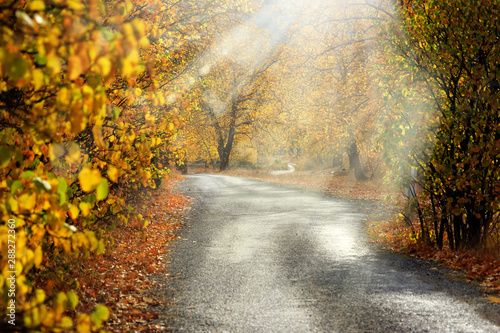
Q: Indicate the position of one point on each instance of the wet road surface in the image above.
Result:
(258, 257)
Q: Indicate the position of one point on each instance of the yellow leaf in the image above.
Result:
(127, 68)
(63, 96)
(22, 286)
(105, 65)
(38, 232)
(59, 304)
(38, 78)
(66, 323)
(83, 323)
(48, 320)
(14, 205)
(85, 208)
(97, 131)
(493, 299)
(75, 4)
(78, 120)
(40, 296)
(38, 256)
(53, 64)
(27, 201)
(100, 314)
(36, 5)
(72, 299)
(112, 173)
(74, 212)
(89, 179)
(73, 152)
(74, 67)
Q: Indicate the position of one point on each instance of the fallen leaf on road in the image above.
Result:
(493, 299)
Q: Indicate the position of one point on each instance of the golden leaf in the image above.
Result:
(74, 212)
(53, 65)
(97, 131)
(105, 65)
(64, 96)
(38, 78)
(38, 256)
(75, 4)
(89, 179)
(74, 67)
(27, 201)
(36, 5)
(493, 299)
(85, 208)
(112, 173)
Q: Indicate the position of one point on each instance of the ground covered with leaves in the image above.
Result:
(121, 279)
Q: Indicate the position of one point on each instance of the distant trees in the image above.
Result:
(230, 103)
(330, 54)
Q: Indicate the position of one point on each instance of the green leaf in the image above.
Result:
(72, 299)
(116, 113)
(18, 69)
(100, 314)
(27, 174)
(102, 190)
(62, 189)
(16, 185)
(40, 60)
(5, 156)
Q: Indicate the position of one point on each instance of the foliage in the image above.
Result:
(230, 103)
(90, 104)
(121, 279)
(442, 114)
(329, 97)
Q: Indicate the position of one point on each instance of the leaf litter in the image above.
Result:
(121, 278)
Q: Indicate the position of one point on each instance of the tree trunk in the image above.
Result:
(354, 163)
(225, 151)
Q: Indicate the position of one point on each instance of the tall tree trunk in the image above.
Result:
(354, 163)
(225, 151)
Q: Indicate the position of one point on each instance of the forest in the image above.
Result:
(101, 100)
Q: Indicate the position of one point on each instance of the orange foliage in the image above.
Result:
(121, 279)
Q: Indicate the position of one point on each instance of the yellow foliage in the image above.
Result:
(89, 179)
(75, 73)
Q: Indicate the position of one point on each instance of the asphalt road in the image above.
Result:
(258, 257)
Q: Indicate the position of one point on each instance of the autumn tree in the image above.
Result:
(231, 103)
(86, 114)
(330, 57)
(443, 93)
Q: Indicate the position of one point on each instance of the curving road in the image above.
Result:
(258, 257)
